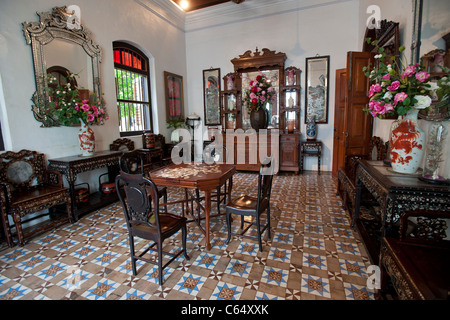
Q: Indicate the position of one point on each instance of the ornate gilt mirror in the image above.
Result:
(57, 43)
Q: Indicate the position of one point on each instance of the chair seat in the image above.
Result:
(168, 222)
(39, 193)
(246, 203)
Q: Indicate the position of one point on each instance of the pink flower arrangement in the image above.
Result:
(397, 89)
(69, 109)
(258, 93)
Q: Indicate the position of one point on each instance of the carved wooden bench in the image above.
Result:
(26, 187)
(418, 262)
(347, 175)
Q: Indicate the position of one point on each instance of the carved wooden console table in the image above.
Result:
(72, 165)
(396, 193)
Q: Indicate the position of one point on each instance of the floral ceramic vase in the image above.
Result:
(407, 144)
(291, 78)
(230, 82)
(86, 139)
(311, 128)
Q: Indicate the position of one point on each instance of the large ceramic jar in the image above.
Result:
(86, 139)
(407, 144)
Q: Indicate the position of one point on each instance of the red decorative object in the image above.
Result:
(86, 139)
(407, 144)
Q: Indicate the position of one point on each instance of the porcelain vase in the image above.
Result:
(407, 144)
(311, 128)
(86, 139)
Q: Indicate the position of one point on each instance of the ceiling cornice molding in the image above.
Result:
(230, 12)
(165, 10)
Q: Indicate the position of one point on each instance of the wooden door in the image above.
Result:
(358, 124)
(339, 118)
(353, 127)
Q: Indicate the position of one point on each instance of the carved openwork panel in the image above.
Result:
(22, 170)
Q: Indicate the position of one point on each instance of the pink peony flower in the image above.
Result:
(409, 71)
(375, 88)
(422, 76)
(388, 107)
(394, 86)
(400, 97)
(90, 118)
(85, 107)
(387, 76)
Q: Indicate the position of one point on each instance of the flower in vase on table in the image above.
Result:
(397, 89)
(258, 93)
(69, 109)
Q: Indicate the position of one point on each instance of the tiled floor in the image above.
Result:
(313, 254)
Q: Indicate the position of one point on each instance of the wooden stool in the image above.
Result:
(310, 149)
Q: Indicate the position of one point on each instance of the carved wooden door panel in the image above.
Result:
(358, 125)
(352, 127)
(339, 118)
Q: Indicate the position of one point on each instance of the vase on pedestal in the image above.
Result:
(407, 144)
(86, 139)
(311, 128)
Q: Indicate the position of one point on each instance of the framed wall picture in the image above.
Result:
(173, 85)
(316, 87)
(211, 96)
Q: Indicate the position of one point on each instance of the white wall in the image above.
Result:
(108, 21)
(300, 29)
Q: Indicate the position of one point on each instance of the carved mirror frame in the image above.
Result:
(56, 25)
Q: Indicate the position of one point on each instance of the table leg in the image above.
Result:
(207, 213)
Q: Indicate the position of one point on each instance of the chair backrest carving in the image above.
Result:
(22, 169)
(215, 154)
(139, 200)
(132, 162)
(122, 144)
(265, 179)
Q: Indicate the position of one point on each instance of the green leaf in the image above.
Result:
(401, 49)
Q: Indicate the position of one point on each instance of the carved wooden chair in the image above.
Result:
(133, 162)
(247, 205)
(144, 220)
(109, 186)
(347, 175)
(26, 187)
(417, 262)
(122, 144)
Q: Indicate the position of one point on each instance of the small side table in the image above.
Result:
(310, 149)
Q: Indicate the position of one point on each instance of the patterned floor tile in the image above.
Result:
(315, 285)
(226, 291)
(101, 290)
(311, 236)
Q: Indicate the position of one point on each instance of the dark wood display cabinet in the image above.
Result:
(290, 120)
(283, 112)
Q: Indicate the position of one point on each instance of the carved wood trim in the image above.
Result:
(251, 61)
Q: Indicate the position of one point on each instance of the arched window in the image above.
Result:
(131, 68)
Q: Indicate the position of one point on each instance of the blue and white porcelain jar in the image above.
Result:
(311, 128)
